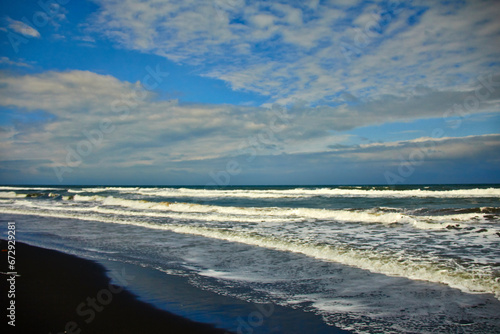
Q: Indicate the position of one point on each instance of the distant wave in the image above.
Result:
(203, 212)
(375, 192)
(28, 188)
(303, 192)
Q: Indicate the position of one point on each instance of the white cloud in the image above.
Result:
(79, 100)
(484, 148)
(293, 52)
(22, 28)
(7, 61)
(151, 132)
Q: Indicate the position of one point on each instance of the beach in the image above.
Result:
(57, 292)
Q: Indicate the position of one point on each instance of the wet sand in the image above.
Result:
(58, 293)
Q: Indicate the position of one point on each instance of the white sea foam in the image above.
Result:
(272, 214)
(472, 281)
(306, 193)
(283, 193)
(262, 213)
(103, 189)
(27, 188)
(11, 194)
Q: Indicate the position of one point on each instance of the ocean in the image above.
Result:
(418, 258)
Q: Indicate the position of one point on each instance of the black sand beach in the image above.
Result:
(57, 292)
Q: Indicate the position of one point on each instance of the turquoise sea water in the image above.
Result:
(364, 258)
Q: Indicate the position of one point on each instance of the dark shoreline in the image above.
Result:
(57, 292)
(54, 285)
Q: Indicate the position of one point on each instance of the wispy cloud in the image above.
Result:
(334, 65)
(7, 61)
(293, 52)
(430, 150)
(22, 28)
(79, 100)
(152, 132)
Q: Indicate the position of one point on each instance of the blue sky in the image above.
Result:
(249, 92)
